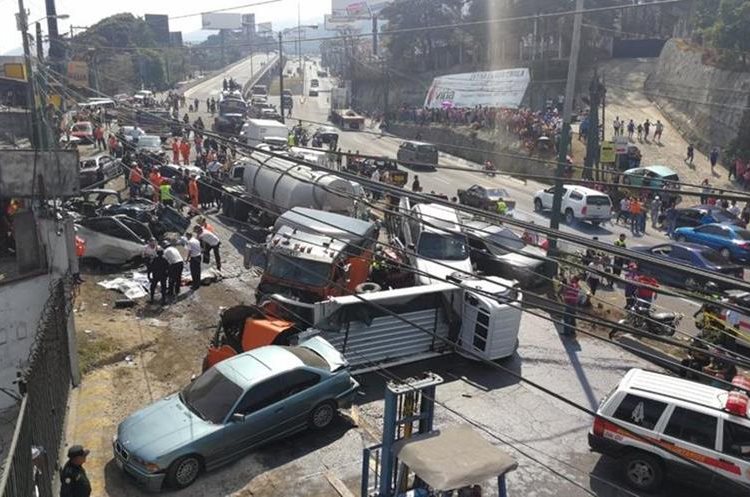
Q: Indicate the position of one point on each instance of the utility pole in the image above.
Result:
(36, 128)
(570, 88)
(56, 49)
(592, 140)
(281, 78)
(39, 45)
(374, 34)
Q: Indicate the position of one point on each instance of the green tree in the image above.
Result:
(731, 30)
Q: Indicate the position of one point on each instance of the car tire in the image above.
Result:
(726, 253)
(538, 205)
(184, 471)
(322, 415)
(642, 471)
(570, 218)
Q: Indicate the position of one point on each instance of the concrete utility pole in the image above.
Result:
(281, 78)
(56, 49)
(39, 44)
(570, 88)
(596, 93)
(36, 128)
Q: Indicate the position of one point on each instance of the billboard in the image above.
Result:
(159, 25)
(78, 73)
(357, 9)
(15, 70)
(333, 23)
(505, 88)
(264, 28)
(221, 20)
(248, 22)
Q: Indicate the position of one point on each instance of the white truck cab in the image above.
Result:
(578, 203)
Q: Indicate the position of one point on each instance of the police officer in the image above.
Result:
(158, 271)
(73, 479)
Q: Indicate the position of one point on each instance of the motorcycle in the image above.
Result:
(643, 316)
(489, 169)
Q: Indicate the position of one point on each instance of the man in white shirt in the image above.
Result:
(194, 256)
(376, 178)
(210, 242)
(174, 276)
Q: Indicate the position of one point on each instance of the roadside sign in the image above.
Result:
(78, 73)
(607, 153)
(621, 145)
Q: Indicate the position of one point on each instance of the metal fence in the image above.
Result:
(31, 460)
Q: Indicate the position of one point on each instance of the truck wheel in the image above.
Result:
(569, 216)
(367, 287)
(643, 471)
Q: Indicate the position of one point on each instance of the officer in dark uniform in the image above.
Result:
(157, 274)
(73, 479)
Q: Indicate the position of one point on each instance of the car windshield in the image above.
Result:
(149, 141)
(713, 257)
(505, 238)
(443, 246)
(724, 216)
(211, 396)
(743, 234)
(497, 192)
(302, 271)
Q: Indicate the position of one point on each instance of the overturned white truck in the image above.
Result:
(470, 316)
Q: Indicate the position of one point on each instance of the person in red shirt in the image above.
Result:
(155, 179)
(175, 151)
(136, 176)
(193, 192)
(571, 296)
(112, 145)
(185, 149)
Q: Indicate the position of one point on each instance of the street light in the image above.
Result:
(56, 16)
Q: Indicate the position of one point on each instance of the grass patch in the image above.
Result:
(93, 350)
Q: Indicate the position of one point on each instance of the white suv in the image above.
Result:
(650, 417)
(578, 202)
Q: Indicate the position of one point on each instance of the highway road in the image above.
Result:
(242, 71)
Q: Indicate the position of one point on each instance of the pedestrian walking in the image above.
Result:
(690, 154)
(640, 132)
(193, 192)
(158, 273)
(658, 131)
(210, 243)
(646, 129)
(185, 150)
(571, 292)
(375, 178)
(194, 256)
(705, 191)
(155, 179)
(631, 287)
(174, 275)
(73, 479)
(619, 262)
(616, 125)
(624, 212)
(713, 157)
(635, 213)
(593, 275)
(631, 130)
(415, 186)
(135, 177)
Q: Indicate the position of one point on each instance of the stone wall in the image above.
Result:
(14, 125)
(704, 102)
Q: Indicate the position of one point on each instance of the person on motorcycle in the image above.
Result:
(489, 167)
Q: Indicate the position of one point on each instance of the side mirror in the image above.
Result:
(237, 418)
(411, 246)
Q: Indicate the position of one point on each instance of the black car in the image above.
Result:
(676, 254)
(98, 168)
(699, 215)
(497, 251)
(418, 155)
(485, 197)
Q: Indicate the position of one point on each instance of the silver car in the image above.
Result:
(231, 409)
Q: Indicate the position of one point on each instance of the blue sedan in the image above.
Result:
(231, 409)
(733, 242)
(673, 255)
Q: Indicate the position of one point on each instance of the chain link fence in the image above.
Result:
(31, 462)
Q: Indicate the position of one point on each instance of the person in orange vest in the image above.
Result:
(193, 191)
(185, 149)
(635, 215)
(175, 151)
(155, 179)
(136, 176)
(112, 145)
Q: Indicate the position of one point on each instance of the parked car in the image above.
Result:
(113, 239)
(690, 254)
(485, 197)
(699, 215)
(732, 241)
(98, 168)
(656, 425)
(497, 251)
(131, 133)
(578, 203)
(418, 155)
(231, 409)
(150, 145)
(84, 131)
(651, 176)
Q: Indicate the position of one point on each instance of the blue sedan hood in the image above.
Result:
(160, 428)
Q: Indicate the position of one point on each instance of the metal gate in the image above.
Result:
(45, 386)
(632, 49)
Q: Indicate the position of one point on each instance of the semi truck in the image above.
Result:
(347, 119)
(470, 316)
(265, 186)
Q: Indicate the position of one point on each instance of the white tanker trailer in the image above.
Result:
(268, 186)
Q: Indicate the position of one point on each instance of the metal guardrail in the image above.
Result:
(270, 64)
